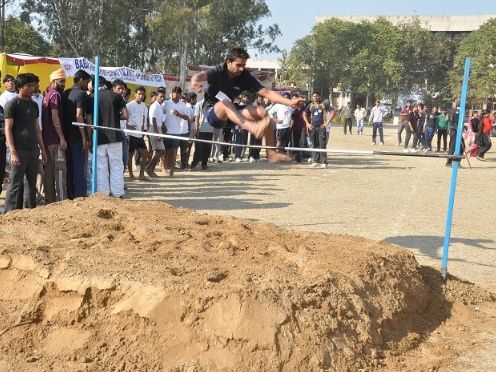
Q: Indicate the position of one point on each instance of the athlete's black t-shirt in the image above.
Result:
(219, 80)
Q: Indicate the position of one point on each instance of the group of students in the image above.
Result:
(305, 126)
(48, 155)
(422, 124)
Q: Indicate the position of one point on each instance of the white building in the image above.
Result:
(454, 24)
(271, 66)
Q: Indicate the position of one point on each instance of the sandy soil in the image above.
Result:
(102, 284)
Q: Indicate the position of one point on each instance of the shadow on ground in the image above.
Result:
(210, 190)
(430, 245)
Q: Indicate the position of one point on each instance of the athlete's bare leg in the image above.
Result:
(251, 118)
(257, 121)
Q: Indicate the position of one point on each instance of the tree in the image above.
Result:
(152, 34)
(114, 30)
(20, 37)
(481, 46)
(299, 63)
(372, 58)
(210, 27)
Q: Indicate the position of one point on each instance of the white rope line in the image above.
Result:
(293, 149)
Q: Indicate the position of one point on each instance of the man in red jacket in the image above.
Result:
(485, 139)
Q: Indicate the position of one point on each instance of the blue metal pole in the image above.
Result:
(95, 123)
(454, 172)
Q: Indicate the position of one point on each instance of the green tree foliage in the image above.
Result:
(114, 29)
(481, 46)
(210, 28)
(152, 34)
(372, 58)
(20, 37)
(299, 64)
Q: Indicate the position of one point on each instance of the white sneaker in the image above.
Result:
(238, 160)
(373, 143)
(313, 165)
(324, 165)
(251, 159)
(413, 150)
(310, 160)
(382, 143)
(406, 150)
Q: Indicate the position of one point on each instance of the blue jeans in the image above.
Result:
(79, 160)
(429, 134)
(359, 126)
(378, 125)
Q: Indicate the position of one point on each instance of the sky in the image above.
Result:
(296, 18)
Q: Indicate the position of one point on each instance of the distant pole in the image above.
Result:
(454, 172)
(95, 123)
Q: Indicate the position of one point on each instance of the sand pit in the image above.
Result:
(94, 285)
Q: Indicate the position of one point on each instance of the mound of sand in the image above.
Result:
(104, 284)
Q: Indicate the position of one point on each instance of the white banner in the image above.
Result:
(128, 75)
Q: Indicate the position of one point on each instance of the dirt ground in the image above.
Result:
(95, 285)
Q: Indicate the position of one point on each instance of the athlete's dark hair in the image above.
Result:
(177, 89)
(81, 75)
(235, 53)
(161, 91)
(23, 79)
(140, 88)
(153, 94)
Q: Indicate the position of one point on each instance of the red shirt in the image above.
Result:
(52, 100)
(487, 125)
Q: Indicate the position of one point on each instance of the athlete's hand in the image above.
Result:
(196, 85)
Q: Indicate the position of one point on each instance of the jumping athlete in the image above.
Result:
(232, 78)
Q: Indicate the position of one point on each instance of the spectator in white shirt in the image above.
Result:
(157, 119)
(376, 117)
(360, 113)
(138, 116)
(282, 116)
(10, 92)
(175, 111)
